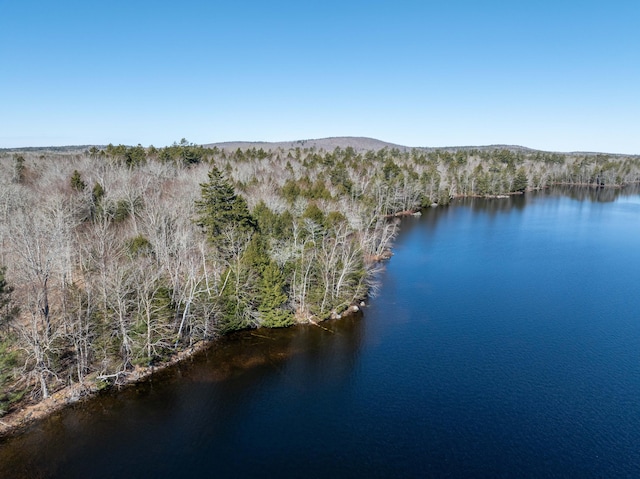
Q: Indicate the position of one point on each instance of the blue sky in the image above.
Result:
(556, 75)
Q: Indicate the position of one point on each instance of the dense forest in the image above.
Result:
(115, 259)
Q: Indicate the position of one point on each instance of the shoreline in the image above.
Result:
(16, 422)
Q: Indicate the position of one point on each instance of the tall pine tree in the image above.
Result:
(220, 208)
(273, 298)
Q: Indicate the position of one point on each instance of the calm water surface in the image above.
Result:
(505, 342)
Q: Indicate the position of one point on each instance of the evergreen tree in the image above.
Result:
(220, 208)
(237, 298)
(8, 353)
(5, 297)
(241, 286)
(390, 170)
(76, 181)
(135, 156)
(97, 193)
(314, 213)
(520, 182)
(255, 256)
(5, 290)
(273, 298)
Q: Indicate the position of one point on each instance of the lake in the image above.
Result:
(504, 342)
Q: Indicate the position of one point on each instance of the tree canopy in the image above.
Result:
(220, 208)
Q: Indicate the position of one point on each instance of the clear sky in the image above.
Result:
(558, 75)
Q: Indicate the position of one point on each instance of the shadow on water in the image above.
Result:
(194, 407)
(439, 377)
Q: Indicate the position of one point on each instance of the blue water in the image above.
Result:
(505, 342)
(523, 337)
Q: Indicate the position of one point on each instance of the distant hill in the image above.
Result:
(327, 144)
(358, 143)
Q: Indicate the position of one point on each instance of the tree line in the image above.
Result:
(117, 258)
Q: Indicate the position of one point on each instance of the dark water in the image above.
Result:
(505, 342)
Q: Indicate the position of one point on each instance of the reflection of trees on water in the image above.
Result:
(335, 342)
(580, 193)
(206, 403)
(596, 195)
(493, 206)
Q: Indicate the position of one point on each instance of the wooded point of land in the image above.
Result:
(117, 258)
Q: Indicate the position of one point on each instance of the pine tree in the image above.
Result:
(97, 193)
(314, 213)
(273, 298)
(237, 298)
(520, 182)
(220, 208)
(76, 181)
(255, 256)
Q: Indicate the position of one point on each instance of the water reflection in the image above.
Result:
(493, 344)
(197, 407)
(599, 195)
(493, 205)
(579, 193)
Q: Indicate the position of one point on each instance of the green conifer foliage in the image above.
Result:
(256, 257)
(97, 195)
(8, 353)
(273, 298)
(76, 181)
(236, 299)
(520, 182)
(314, 213)
(221, 208)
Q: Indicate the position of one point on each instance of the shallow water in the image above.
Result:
(505, 342)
